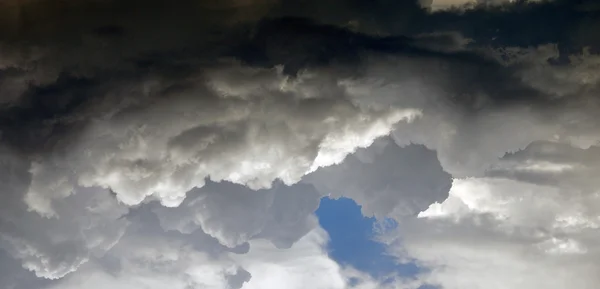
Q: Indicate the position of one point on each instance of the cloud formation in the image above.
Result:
(386, 180)
(531, 222)
(148, 144)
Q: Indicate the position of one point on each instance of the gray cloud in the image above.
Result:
(235, 214)
(386, 180)
(85, 222)
(495, 231)
(159, 143)
(150, 258)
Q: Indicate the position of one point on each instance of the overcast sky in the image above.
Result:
(189, 144)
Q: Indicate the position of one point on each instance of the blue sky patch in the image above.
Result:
(352, 241)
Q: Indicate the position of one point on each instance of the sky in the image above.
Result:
(352, 239)
(330, 144)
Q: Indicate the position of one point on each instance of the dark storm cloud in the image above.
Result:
(570, 24)
(67, 64)
(86, 37)
(65, 59)
(375, 17)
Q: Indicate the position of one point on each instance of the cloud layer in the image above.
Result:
(152, 144)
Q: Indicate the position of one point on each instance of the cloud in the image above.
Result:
(552, 164)
(469, 124)
(85, 223)
(235, 214)
(473, 124)
(533, 224)
(305, 265)
(15, 277)
(158, 144)
(386, 180)
(522, 24)
(105, 144)
(147, 257)
(250, 135)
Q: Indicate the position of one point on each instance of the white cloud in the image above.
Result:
(304, 265)
(251, 127)
(506, 233)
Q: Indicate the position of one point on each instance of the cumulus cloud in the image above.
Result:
(151, 144)
(304, 265)
(85, 223)
(532, 223)
(147, 257)
(250, 135)
(234, 214)
(386, 180)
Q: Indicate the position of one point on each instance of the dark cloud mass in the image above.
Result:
(186, 144)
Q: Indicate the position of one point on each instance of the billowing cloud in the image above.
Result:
(235, 214)
(532, 225)
(386, 180)
(148, 257)
(86, 223)
(248, 126)
(149, 144)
